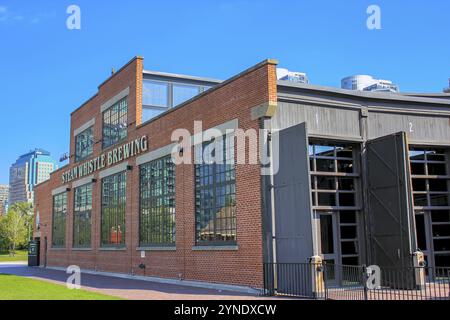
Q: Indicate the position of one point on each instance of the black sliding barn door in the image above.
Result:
(390, 211)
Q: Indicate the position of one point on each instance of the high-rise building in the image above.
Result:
(4, 193)
(368, 83)
(292, 76)
(29, 170)
(447, 90)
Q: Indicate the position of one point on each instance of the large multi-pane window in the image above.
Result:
(82, 211)
(184, 92)
(155, 94)
(59, 220)
(155, 99)
(334, 176)
(431, 192)
(215, 192)
(113, 210)
(84, 144)
(159, 96)
(157, 202)
(115, 123)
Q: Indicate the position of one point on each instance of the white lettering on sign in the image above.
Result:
(107, 159)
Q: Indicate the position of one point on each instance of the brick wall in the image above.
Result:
(231, 100)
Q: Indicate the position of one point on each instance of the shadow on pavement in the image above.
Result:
(127, 288)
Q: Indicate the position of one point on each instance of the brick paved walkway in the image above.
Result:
(128, 288)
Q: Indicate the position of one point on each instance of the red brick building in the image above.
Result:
(354, 177)
(236, 258)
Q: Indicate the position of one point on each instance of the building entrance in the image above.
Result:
(430, 181)
(336, 202)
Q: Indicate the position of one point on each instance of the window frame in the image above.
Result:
(338, 210)
(150, 199)
(185, 85)
(212, 187)
(168, 94)
(81, 158)
(118, 104)
(335, 175)
(427, 211)
(79, 212)
(428, 178)
(116, 208)
(202, 87)
(63, 216)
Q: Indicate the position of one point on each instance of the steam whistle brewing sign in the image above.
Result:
(107, 159)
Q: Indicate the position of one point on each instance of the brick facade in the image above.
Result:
(233, 99)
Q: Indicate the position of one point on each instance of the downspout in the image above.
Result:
(268, 197)
(363, 186)
(272, 194)
(131, 224)
(183, 276)
(45, 251)
(272, 209)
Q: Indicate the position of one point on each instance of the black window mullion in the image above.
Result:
(82, 216)
(216, 197)
(155, 202)
(114, 210)
(59, 220)
(115, 123)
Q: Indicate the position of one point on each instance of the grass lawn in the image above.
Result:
(21, 255)
(21, 288)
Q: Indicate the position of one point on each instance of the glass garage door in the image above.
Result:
(335, 197)
(430, 180)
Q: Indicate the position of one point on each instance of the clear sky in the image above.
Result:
(47, 70)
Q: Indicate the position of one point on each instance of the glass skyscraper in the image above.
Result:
(29, 170)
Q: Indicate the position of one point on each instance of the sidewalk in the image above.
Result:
(127, 288)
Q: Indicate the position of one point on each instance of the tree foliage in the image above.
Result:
(16, 226)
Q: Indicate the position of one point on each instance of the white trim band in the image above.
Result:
(215, 248)
(116, 169)
(155, 154)
(83, 181)
(84, 127)
(224, 128)
(115, 99)
(60, 190)
(168, 248)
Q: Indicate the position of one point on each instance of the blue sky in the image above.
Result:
(46, 70)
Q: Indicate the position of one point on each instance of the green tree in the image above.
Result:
(15, 226)
(25, 210)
